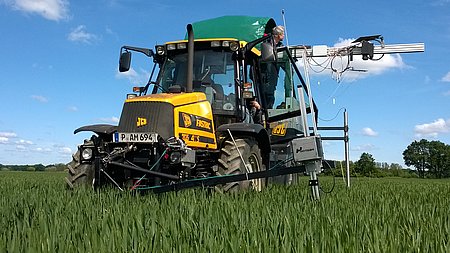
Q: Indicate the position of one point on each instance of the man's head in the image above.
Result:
(278, 33)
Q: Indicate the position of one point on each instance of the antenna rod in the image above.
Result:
(285, 28)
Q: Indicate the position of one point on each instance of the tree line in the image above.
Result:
(34, 167)
(429, 159)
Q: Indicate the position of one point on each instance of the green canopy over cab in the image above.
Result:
(243, 28)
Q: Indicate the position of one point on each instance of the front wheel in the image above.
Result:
(240, 157)
(80, 174)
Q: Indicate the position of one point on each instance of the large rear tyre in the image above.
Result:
(231, 163)
(80, 174)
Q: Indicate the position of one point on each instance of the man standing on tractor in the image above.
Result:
(271, 68)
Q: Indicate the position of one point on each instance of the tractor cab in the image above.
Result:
(214, 72)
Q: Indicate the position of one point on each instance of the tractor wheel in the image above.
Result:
(230, 163)
(80, 174)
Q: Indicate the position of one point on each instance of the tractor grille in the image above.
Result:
(140, 117)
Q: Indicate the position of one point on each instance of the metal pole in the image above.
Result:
(347, 158)
(285, 28)
(314, 185)
(304, 120)
(308, 86)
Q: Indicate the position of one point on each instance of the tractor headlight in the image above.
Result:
(234, 46)
(181, 46)
(131, 95)
(160, 50)
(86, 154)
(215, 43)
(171, 47)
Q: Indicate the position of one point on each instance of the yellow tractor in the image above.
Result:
(197, 123)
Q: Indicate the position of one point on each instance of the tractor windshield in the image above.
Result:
(214, 74)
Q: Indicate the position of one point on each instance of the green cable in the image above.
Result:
(159, 159)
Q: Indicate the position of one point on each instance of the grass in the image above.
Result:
(375, 215)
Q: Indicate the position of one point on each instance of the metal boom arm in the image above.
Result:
(319, 51)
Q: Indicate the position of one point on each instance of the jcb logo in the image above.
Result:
(279, 130)
(187, 120)
(141, 122)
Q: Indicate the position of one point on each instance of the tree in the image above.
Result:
(416, 154)
(365, 165)
(438, 161)
(428, 156)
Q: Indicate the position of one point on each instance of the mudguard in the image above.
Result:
(102, 130)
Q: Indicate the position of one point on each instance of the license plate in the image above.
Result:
(136, 137)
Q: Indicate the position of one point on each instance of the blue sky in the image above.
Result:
(59, 68)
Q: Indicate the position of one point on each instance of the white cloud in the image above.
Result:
(447, 93)
(112, 33)
(439, 126)
(80, 34)
(446, 78)
(21, 147)
(65, 150)
(72, 108)
(4, 140)
(387, 62)
(39, 98)
(440, 3)
(363, 148)
(110, 120)
(43, 150)
(8, 134)
(367, 131)
(133, 76)
(5, 136)
(50, 9)
(24, 142)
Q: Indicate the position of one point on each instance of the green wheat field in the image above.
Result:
(38, 214)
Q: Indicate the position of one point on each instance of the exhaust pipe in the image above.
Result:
(190, 60)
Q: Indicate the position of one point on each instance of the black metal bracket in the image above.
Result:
(313, 182)
(150, 172)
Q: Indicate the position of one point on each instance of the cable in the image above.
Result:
(381, 57)
(327, 61)
(334, 182)
(342, 108)
(332, 188)
(334, 92)
(140, 179)
(282, 162)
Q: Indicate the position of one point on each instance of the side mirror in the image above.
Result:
(267, 52)
(124, 61)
